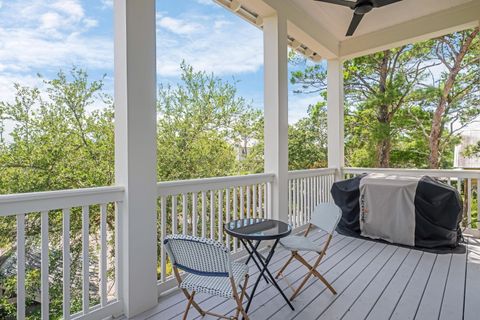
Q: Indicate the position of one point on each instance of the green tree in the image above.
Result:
(456, 100)
(200, 121)
(307, 140)
(377, 86)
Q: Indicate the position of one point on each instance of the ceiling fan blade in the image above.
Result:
(354, 24)
(345, 3)
(382, 3)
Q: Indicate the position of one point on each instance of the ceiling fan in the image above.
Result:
(360, 8)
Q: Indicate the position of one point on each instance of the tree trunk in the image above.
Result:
(437, 122)
(384, 118)
(383, 152)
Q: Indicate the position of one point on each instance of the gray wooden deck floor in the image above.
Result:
(373, 281)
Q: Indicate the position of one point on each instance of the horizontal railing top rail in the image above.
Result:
(310, 173)
(21, 203)
(197, 185)
(440, 173)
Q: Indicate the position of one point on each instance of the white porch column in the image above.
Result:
(335, 115)
(135, 151)
(276, 110)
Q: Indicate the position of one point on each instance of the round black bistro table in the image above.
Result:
(250, 230)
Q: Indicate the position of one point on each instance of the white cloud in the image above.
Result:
(46, 37)
(206, 2)
(216, 45)
(50, 20)
(178, 26)
(90, 23)
(72, 8)
(107, 3)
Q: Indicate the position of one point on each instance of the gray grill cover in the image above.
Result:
(438, 211)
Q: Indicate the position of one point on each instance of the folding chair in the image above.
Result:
(209, 269)
(326, 217)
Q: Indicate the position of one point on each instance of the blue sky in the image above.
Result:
(44, 36)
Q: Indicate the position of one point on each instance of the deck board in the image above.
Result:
(431, 302)
(472, 282)
(387, 302)
(407, 305)
(453, 298)
(373, 281)
(360, 307)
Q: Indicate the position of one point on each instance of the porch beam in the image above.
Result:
(276, 110)
(135, 152)
(335, 115)
(303, 27)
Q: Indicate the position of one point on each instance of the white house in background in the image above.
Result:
(469, 137)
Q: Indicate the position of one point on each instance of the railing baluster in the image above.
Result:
(103, 255)
(242, 207)
(85, 260)
(204, 213)
(248, 202)
(174, 215)
(44, 261)
(312, 198)
(163, 233)
(118, 250)
(302, 203)
(297, 202)
(212, 214)
(290, 220)
(194, 213)
(324, 189)
(469, 202)
(478, 203)
(235, 240)
(269, 201)
(254, 201)
(220, 215)
(66, 263)
(21, 266)
(227, 220)
(260, 201)
(184, 214)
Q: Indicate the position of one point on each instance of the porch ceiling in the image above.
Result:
(321, 27)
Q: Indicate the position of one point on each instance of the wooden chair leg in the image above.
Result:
(238, 300)
(312, 270)
(185, 292)
(188, 305)
(300, 287)
(285, 265)
(194, 304)
(325, 282)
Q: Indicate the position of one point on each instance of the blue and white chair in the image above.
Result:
(209, 269)
(325, 217)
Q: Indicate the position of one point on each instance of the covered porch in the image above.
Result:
(374, 280)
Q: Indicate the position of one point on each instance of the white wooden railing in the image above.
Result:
(465, 181)
(69, 205)
(306, 189)
(196, 207)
